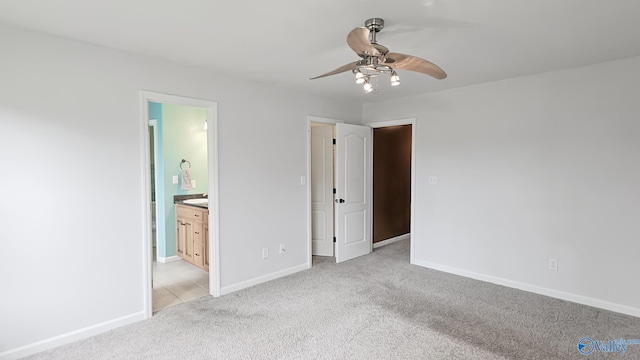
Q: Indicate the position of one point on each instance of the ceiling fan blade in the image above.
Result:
(358, 41)
(343, 68)
(414, 63)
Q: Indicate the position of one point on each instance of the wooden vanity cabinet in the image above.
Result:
(192, 235)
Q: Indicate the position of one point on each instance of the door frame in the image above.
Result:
(214, 206)
(412, 122)
(319, 120)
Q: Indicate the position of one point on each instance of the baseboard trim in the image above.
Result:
(168, 259)
(391, 240)
(580, 299)
(70, 337)
(262, 279)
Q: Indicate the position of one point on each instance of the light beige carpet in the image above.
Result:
(374, 307)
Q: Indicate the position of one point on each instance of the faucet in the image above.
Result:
(205, 195)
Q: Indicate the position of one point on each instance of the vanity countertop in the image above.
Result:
(196, 200)
(203, 205)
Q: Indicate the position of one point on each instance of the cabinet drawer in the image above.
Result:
(184, 212)
(191, 212)
(200, 215)
(198, 232)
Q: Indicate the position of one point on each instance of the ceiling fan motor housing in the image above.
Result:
(374, 24)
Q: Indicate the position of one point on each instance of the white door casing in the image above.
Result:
(214, 207)
(353, 197)
(322, 190)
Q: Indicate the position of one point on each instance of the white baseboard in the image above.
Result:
(261, 279)
(168, 259)
(580, 299)
(70, 337)
(391, 240)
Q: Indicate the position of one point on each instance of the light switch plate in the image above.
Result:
(175, 179)
(193, 183)
(303, 180)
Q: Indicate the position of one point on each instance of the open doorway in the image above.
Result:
(321, 186)
(188, 154)
(391, 184)
(320, 198)
(394, 182)
(179, 192)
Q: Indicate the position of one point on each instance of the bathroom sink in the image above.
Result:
(196, 201)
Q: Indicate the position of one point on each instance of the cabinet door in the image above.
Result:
(181, 237)
(188, 248)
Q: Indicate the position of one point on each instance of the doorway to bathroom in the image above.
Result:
(181, 200)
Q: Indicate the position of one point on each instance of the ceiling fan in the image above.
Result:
(377, 60)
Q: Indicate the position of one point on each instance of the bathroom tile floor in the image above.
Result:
(177, 282)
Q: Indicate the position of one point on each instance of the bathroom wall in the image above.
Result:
(183, 137)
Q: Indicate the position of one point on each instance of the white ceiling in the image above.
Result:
(286, 42)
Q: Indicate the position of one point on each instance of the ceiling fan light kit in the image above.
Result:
(370, 68)
(377, 60)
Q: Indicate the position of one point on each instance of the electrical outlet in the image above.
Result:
(433, 180)
(282, 249)
(553, 264)
(174, 179)
(265, 253)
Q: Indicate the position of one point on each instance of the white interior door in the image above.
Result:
(322, 190)
(353, 196)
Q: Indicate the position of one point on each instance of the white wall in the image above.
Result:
(546, 166)
(72, 187)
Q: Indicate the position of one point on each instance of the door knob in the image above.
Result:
(341, 201)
